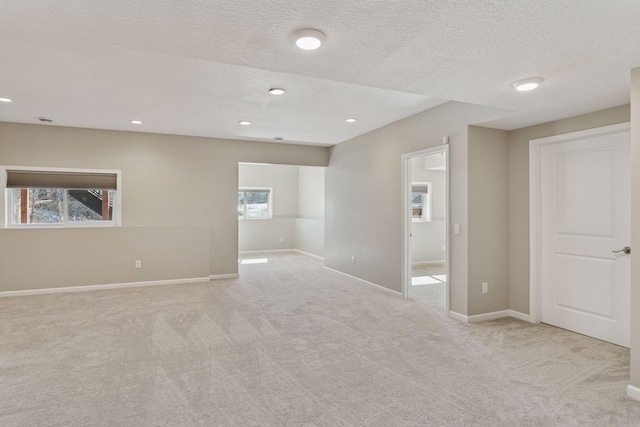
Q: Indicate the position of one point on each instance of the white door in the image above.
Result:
(584, 217)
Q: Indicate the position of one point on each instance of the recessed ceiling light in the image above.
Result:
(244, 122)
(351, 120)
(5, 99)
(276, 91)
(527, 84)
(278, 138)
(136, 122)
(308, 39)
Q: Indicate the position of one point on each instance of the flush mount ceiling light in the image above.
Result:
(276, 91)
(244, 122)
(5, 99)
(351, 120)
(308, 39)
(135, 122)
(527, 84)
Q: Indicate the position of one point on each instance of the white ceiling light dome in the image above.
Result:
(309, 39)
(527, 84)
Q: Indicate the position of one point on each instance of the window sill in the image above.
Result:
(59, 226)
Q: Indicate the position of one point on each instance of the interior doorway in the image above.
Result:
(426, 224)
(280, 209)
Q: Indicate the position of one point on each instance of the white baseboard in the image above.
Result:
(365, 281)
(490, 316)
(310, 254)
(520, 316)
(102, 287)
(223, 276)
(633, 392)
(457, 316)
(266, 251)
(442, 261)
(276, 251)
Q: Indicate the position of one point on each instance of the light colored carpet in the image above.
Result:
(291, 343)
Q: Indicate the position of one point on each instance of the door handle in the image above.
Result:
(626, 250)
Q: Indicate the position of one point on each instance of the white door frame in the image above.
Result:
(535, 151)
(406, 218)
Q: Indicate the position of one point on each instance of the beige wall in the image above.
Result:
(363, 196)
(59, 258)
(519, 191)
(167, 180)
(310, 221)
(488, 219)
(635, 227)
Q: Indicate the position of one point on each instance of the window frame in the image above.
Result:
(257, 189)
(6, 202)
(426, 202)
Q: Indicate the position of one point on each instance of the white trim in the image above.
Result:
(265, 251)
(407, 249)
(633, 392)
(318, 257)
(498, 315)
(364, 281)
(457, 316)
(429, 262)
(102, 287)
(224, 276)
(520, 316)
(489, 316)
(535, 151)
(279, 251)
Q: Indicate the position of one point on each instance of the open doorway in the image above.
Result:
(280, 210)
(425, 219)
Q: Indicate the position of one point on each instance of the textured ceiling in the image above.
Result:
(197, 67)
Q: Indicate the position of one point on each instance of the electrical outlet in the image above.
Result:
(138, 263)
(485, 288)
(281, 239)
(353, 260)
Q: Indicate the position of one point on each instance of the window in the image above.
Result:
(421, 201)
(39, 197)
(254, 203)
